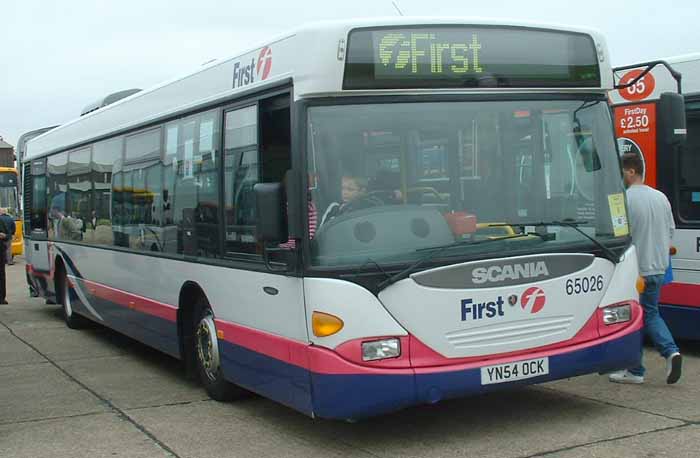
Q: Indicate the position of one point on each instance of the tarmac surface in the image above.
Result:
(94, 393)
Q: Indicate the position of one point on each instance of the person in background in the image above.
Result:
(10, 225)
(651, 226)
(5, 239)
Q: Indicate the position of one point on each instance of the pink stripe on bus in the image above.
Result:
(281, 348)
(685, 294)
(132, 301)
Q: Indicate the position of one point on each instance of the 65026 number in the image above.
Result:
(584, 285)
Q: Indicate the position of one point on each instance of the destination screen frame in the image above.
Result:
(581, 69)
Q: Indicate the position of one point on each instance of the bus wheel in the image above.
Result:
(206, 350)
(72, 319)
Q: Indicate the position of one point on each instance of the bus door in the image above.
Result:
(37, 254)
(257, 149)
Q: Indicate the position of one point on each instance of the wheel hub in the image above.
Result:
(208, 347)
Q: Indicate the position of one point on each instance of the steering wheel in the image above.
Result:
(361, 203)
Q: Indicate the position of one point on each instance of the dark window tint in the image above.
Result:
(58, 194)
(106, 159)
(689, 170)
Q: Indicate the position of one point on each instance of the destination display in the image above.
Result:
(467, 56)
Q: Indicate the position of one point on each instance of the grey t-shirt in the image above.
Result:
(651, 226)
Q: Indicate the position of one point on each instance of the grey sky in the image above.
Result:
(59, 56)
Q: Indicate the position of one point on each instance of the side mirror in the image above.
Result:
(671, 119)
(271, 209)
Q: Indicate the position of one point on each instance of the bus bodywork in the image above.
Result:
(22, 225)
(408, 294)
(675, 172)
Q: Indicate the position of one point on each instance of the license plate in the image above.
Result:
(518, 370)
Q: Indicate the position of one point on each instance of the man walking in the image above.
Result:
(5, 239)
(10, 225)
(652, 226)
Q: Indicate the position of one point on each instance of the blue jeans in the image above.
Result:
(654, 326)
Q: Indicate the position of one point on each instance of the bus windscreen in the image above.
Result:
(469, 56)
(8, 179)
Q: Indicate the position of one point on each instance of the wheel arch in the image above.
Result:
(59, 269)
(191, 294)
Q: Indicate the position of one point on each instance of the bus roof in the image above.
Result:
(25, 137)
(313, 57)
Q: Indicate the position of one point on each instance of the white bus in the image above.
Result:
(673, 169)
(366, 215)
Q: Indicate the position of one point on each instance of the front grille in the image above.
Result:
(27, 194)
(515, 332)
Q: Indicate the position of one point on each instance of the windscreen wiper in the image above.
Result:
(436, 250)
(573, 224)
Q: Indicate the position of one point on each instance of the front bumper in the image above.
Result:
(350, 396)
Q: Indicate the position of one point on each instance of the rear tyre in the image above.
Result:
(72, 319)
(208, 361)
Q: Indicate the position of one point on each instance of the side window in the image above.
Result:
(689, 168)
(241, 173)
(191, 189)
(169, 234)
(57, 193)
(74, 225)
(142, 177)
(107, 190)
(38, 195)
(257, 147)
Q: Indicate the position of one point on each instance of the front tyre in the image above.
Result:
(206, 350)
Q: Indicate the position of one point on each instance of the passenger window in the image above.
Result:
(190, 193)
(107, 192)
(74, 225)
(58, 187)
(169, 236)
(241, 173)
(141, 192)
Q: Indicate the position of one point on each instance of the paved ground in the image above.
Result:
(93, 393)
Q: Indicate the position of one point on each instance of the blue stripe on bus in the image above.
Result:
(683, 322)
(277, 380)
(352, 396)
(356, 396)
(154, 331)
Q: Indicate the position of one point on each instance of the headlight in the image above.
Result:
(381, 349)
(617, 314)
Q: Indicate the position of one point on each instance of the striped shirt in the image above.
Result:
(313, 224)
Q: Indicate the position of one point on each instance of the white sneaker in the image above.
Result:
(626, 377)
(673, 368)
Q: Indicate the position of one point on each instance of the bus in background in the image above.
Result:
(23, 226)
(453, 193)
(9, 199)
(671, 167)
